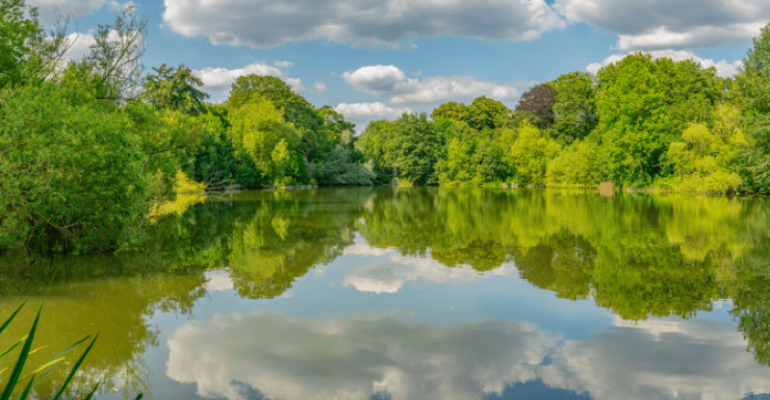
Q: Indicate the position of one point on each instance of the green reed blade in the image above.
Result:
(71, 347)
(74, 369)
(22, 359)
(25, 393)
(13, 346)
(93, 391)
(8, 321)
(44, 366)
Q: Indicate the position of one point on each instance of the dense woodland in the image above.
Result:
(92, 151)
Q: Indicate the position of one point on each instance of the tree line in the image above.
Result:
(639, 123)
(90, 148)
(93, 150)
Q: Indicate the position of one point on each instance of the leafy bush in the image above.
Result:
(531, 152)
(576, 166)
(701, 162)
(339, 170)
(70, 176)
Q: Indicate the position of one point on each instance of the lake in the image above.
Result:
(418, 293)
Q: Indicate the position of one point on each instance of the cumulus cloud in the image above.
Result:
(660, 24)
(388, 80)
(319, 86)
(75, 8)
(370, 111)
(661, 358)
(390, 270)
(263, 23)
(307, 358)
(219, 80)
(80, 45)
(724, 68)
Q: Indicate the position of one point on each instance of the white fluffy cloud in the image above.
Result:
(80, 45)
(724, 68)
(660, 24)
(217, 81)
(260, 23)
(369, 111)
(319, 86)
(388, 80)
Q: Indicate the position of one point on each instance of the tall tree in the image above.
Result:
(575, 108)
(753, 82)
(295, 109)
(485, 113)
(633, 124)
(539, 100)
(115, 58)
(175, 89)
(418, 145)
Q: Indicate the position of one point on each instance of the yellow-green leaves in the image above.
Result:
(260, 131)
(531, 152)
(701, 161)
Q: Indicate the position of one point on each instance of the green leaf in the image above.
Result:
(90, 395)
(13, 346)
(74, 369)
(22, 359)
(8, 321)
(25, 393)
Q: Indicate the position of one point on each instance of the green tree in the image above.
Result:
(577, 165)
(16, 31)
(308, 123)
(539, 100)
(531, 152)
(115, 59)
(575, 107)
(341, 170)
(452, 111)
(175, 89)
(417, 147)
(702, 162)
(260, 131)
(753, 84)
(633, 124)
(70, 175)
(485, 113)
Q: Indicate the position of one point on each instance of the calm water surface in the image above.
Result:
(424, 293)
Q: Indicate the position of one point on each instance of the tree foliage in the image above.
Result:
(70, 176)
(539, 100)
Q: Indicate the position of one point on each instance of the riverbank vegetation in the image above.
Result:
(639, 123)
(92, 151)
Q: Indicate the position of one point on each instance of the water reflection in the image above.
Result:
(655, 262)
(306, 358)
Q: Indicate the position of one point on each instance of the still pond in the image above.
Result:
(418, 293)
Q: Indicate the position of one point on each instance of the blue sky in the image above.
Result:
(373, 59)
